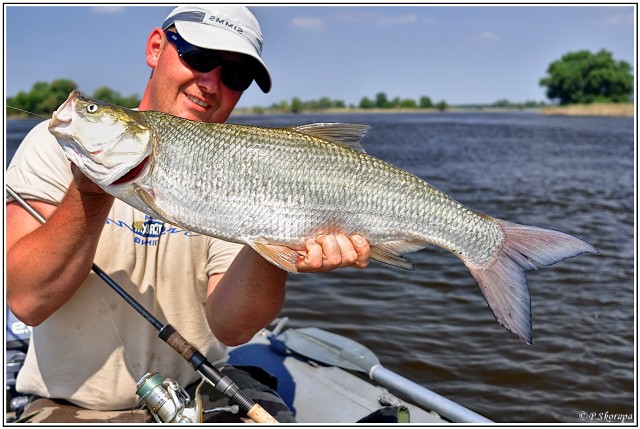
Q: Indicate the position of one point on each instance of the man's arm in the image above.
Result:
(47, 263)
(251, 293)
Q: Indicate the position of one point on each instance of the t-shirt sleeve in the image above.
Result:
(221, 255)
(39, 169)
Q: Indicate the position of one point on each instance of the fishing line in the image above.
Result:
(124, 349)
(31, 113)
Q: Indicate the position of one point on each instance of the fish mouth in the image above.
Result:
(132, 174)
(56, 123)
(62, 117)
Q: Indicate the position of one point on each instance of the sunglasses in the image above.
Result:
(234, 74)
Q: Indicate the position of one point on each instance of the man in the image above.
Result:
(88, 348)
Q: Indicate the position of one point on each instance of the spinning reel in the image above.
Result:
(168, 402)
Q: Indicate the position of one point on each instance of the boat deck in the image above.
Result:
(321, 394)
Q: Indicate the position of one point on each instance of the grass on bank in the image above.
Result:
(596, 109)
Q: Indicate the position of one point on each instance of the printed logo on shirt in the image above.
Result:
(149, 231)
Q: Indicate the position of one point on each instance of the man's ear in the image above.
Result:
(155, 44)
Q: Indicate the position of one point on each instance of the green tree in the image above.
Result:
(442, 105)
(425, 102)
(62, 87)
(365, 103)
(408, 103)
(283, 106)
(131, 101)
(381, 100)
(43, 98)
(324, 103)
(108, 95)
(296, 105)
(584, 77)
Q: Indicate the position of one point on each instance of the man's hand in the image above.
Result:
(328, 252)
(84, 184)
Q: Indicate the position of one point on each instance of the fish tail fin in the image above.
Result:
(503, 283)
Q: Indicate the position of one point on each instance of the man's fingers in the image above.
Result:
(328, 252)
(363, 251)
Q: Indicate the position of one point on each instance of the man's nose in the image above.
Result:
(211, 80)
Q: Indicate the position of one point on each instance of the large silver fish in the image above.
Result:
(272, 188)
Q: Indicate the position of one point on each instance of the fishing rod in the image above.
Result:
(169, 335)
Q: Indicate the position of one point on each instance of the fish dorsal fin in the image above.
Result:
(348, 135)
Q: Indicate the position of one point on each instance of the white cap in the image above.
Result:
(224, 28)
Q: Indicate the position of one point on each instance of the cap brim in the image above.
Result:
(210, 37)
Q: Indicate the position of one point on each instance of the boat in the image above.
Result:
(323, 378)
(328, 378)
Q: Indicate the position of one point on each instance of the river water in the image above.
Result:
(574, 174)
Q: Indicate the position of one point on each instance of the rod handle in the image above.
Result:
(172, 337)
(260, 415)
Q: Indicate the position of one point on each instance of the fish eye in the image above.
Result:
(92, 108)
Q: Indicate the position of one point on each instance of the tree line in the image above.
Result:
(44, 98)
(381, 101)
(580, 77)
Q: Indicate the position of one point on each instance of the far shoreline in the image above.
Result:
(608, 109)
(596, 109)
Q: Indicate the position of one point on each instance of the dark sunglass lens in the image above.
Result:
(237, 76)
(236, 81)
(201, 60)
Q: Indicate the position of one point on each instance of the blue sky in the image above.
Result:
(460, 54)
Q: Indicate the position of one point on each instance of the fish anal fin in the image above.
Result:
(348, 135)
(280, 256)
(391, 252)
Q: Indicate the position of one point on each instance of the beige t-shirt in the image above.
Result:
(95, 347)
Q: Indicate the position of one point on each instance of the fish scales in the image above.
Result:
(272, 188)
(268, 181)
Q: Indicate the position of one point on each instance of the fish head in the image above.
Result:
(105, 141)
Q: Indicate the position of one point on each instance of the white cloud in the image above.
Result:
(385, 21)
(375, 17)
(430, 21)
(617, 19)
(306, 22)
(485, 37)
(108, 9)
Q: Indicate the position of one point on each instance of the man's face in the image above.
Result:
(179, 90)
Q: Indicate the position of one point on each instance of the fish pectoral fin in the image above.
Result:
(391, 252)
(149, 200)
(280, 256)
(345, 134)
